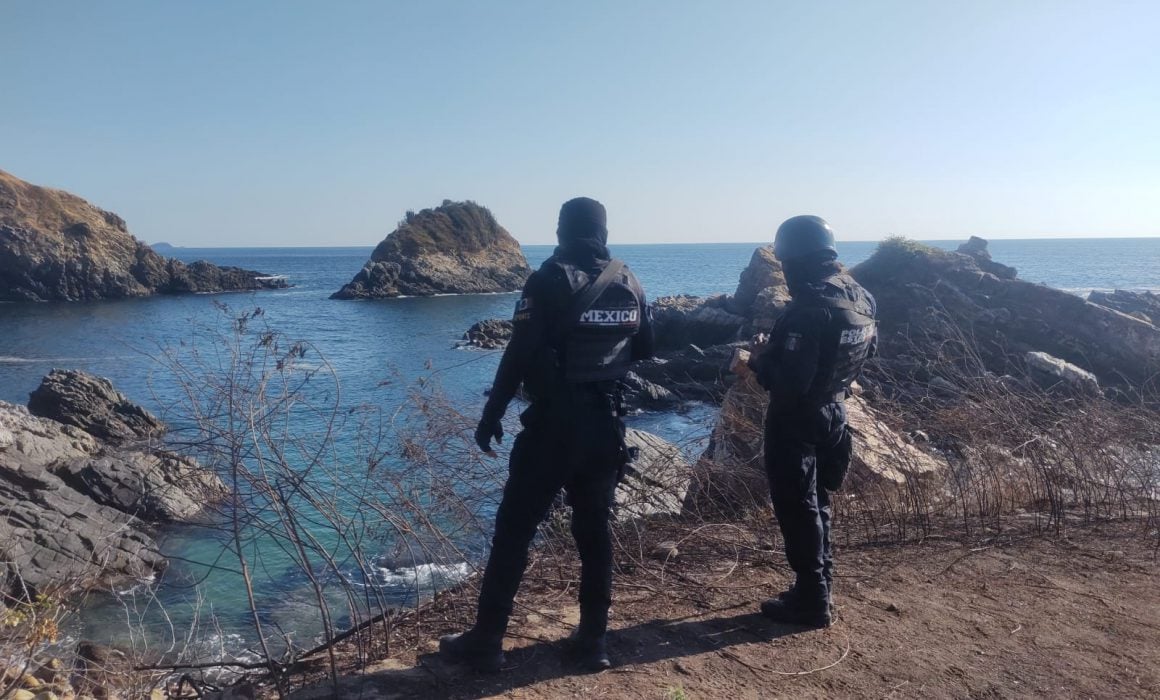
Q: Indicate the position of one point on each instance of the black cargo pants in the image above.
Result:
(804, 451)
(575, 445)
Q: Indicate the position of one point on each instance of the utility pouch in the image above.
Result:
(833, 462)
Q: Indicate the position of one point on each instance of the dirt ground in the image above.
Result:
(1004, 617)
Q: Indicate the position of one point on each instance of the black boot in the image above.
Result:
(796, 609)
(482, 652)
(586, 644)
(792, 595)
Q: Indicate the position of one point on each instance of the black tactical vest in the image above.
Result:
(598, 347)
(846, 340)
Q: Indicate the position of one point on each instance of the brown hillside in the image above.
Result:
(55, 246)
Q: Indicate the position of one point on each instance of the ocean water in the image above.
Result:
(364, 339)
(378, 348)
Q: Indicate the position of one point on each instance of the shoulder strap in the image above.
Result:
(586, 298)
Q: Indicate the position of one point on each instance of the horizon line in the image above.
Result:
(659, 243)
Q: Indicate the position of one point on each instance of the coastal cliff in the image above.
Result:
(456, 248)
(55, 246)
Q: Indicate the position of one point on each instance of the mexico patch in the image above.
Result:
(610, 317)
(793, 341)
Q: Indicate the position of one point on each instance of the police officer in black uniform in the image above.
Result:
(569, 350)
(815, 352)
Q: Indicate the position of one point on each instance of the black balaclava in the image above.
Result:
(802, 272)
(583, 232)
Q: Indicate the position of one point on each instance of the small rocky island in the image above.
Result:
(455, 248)
(55, 246)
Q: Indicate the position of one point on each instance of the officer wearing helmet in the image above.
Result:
(814, 353)
(580, 323)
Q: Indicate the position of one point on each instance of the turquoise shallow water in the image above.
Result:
(377, 349)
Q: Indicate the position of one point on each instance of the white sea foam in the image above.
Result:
(423, 576)
(1084, 291)
(139, 586)
(13, 360)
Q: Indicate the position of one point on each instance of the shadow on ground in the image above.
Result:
(539, 661)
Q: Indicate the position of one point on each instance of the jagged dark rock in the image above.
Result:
(456, 248)
(78, 509)
(55, 246)
(640, 393)
(761, 274)
(489, 334)
(679, 321)
(52, 533)
(929, 300)
(977, 248)
(691, 373)
(1143, 305)
(156, 486)
(93, 405)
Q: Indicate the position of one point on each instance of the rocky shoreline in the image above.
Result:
(925, 296)
(85, 481)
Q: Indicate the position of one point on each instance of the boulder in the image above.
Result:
(92, 404)
(456, 248)
(155, 486)
(78, 509)
(53, 534)
(1054, 374)
(1142, 305)
(55, 246)
(656, 482)
(691, 373)
(944, 306)
(489, 334)
(763, 272)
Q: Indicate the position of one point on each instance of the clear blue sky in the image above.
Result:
(321, 123)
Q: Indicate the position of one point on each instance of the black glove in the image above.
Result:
(486, 430)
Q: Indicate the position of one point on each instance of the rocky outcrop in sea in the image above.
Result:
(1143, 305)
(977, 316)
(81, 492)
(488, 334)
(456, 248)
(55, 246)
